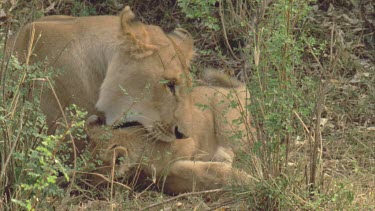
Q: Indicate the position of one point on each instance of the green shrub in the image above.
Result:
(30, 162)
(203, 11)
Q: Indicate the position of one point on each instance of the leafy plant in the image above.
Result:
(202, 11)
(30, 162)
(81, 8)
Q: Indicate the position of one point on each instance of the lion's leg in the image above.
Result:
(188, 176)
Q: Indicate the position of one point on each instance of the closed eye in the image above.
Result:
(114, 146)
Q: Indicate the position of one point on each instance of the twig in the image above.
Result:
(226, 203)
(317, 139)
(106, 179)
(304, 125)
(113, 172)
(181, 196)
(225, 32)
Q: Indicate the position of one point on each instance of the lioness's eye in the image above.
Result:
(171, 86)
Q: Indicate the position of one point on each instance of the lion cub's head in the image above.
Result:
(148, 79)
(110, 148)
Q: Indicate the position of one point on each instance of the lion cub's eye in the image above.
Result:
(120, 153)
(119, 159)
(114, 146)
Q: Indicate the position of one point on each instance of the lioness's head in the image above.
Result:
(147, 81)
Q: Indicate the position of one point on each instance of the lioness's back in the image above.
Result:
(57, 18)
(69, 44)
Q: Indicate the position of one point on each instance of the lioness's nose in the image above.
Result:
(178, 134)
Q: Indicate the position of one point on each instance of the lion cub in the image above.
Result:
(170, 165)
(219, 121)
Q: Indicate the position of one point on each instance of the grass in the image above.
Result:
(312, 84)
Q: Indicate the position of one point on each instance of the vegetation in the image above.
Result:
(310, 72)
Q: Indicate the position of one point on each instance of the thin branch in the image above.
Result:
(318, 139)
(225, 32)
(106, 179)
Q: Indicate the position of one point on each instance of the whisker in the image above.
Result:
(149, 134)
(154, 136)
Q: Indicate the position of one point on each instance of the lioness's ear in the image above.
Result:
(134, 35)
(184, 41)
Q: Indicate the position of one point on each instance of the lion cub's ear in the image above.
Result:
(184, 41)
(134, 35)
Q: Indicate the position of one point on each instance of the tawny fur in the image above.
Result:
(209, 145)
(172, 165)
(220, 123)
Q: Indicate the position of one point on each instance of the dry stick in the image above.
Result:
(318, 138)
(106, 179)
(226, 203)
(319, 107)
(304, 125)
(225, 32)
(181, 196)
(113, 172)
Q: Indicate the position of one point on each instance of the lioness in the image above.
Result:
(169, 164)
(114, 64)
